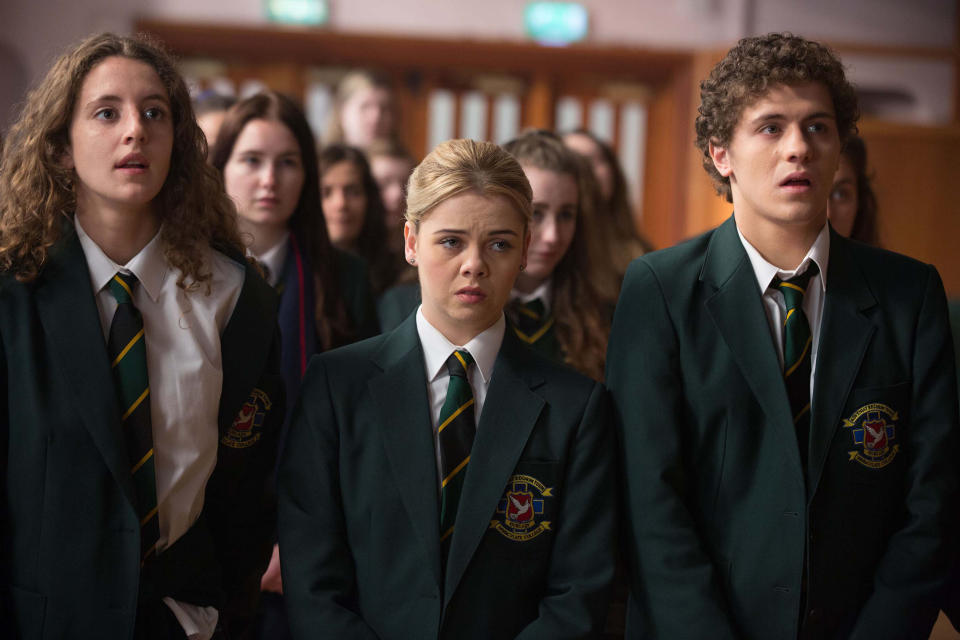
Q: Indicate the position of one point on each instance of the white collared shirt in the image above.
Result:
(484, 348)
(544, 292)
(773, 302)
(273, 258)
(182, 334)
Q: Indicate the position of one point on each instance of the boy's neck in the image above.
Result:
(783, 246)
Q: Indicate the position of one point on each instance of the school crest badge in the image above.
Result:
(245, 430)
(873, 428)
(520, 511)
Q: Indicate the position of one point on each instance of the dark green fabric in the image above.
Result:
(721, 513)
(69, 533)
(456, 432)
(359, 502)
(127, 349)
(797, 353)
(353, 278)
(396, 304)
(535, 327)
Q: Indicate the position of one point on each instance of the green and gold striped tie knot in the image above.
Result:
(797, 347)
(456, 431)
(128, 356)
(531, 320)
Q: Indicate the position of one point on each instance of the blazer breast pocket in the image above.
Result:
(528, 510)
(873, 431)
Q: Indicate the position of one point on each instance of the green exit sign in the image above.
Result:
(306, 12)
(556, 23)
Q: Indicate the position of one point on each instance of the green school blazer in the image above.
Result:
(728, 535)
(359, 502)
(69, 533)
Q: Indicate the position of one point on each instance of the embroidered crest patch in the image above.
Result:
(520, 511)
(873, 428)
(245, 430)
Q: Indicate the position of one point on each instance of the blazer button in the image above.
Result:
(813, 615)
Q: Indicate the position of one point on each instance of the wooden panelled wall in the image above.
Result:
(916, 168)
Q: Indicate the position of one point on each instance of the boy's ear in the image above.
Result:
(721, 159)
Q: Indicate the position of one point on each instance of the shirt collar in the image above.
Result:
(819, 253)
(149, 265)
(274, 257)
(544, 292)
(436, 348)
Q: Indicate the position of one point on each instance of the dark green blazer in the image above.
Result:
(724, 523)
(69, 535)
(359, 502)
(353, 277)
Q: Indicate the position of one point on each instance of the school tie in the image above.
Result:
(456, 431)
(797, 357)
(531, 319)
(128, 355)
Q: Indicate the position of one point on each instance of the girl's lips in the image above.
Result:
(471, 296)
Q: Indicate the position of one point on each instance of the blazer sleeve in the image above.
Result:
(319, 581)
(672, 579)
(915, 563)
(250, 507)
(6, 613)
(582, 559)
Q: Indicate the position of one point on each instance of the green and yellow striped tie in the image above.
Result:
(797, 356)
(456, 431)
(128, 355)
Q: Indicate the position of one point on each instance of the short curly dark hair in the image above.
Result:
(748, 70)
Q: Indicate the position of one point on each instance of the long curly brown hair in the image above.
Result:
(36, 189)
(581, 312)
(306, 224)
(749, 70)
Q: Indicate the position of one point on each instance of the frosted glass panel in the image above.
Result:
(506, 118)
(317, 105)
(473, 115)
(440, 117)
(633, 143)
(601, 119)
(251, 87)
(223, 86)
(569, 114)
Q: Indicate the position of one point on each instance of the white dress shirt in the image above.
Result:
(273, 258)
(437, 349)
(182, 334)
(544, 292)
(773, 302)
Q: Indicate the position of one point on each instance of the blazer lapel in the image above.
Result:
(245, 343)
(71, 320)
(510, 412)
(845, 332)
(405, 425)
(737, 310)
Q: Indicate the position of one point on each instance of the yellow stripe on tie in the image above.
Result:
(537, 335)
(147, 517)
(806, 408)
(455, 472)
(142, 462)
(530, 313)
(789, 313)
(447, 534)
(460, 358)
(793, 286)
(127, 348)
(123, 284)
(136, 404)
(148, 552)
(806, 348)
(453, 415)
